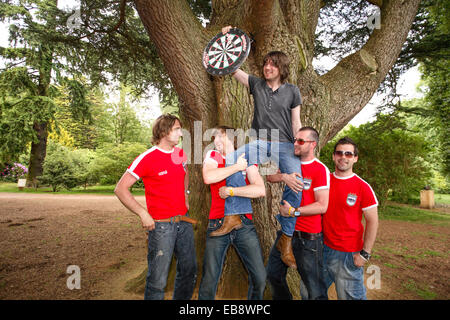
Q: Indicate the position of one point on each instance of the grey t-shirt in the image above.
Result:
(273, 108)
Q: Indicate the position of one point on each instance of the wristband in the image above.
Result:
(230, 190)
(289, 212)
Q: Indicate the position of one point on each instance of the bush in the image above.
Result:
(59, 168)
(11, 173)
(112, 161)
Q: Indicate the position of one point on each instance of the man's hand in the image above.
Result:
(358, 260)
(147, 222)
(284, 208)
(226, 29)
(241, 162)
(292, 181)
(224, 192)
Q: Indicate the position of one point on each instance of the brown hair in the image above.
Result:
(162, 126)
(312, 133)
(281, 61)
(224, 129)
(347, 140)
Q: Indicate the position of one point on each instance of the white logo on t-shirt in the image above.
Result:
(162, 173)
(351, 199)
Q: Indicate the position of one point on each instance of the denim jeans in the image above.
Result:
(348, 278)
(309, 258)
(166, 239)
(246, 242)
(259, 152)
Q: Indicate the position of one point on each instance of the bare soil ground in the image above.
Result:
(42, 234)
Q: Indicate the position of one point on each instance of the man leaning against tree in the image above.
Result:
(164, 172)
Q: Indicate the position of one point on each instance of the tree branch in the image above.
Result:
(180, 39)
(354, 80)
(377, 3)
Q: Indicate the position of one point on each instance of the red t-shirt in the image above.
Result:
(316, 176)
(217, 203)
(163, 175)
(342, 223)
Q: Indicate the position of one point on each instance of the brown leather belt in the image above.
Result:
(307, 235)
(178, 218)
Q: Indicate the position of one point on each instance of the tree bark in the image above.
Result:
(39, 147)
(330, 101)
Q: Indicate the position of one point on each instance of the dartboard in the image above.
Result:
(225, 53)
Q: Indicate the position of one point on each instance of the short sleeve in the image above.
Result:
(369, 199)
(297, 97)
(138, 167)
(322, 179)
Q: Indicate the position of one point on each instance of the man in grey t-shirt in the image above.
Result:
(276, 120)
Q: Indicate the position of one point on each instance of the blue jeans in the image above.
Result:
(309, 259)
(259, 152)
(166, 239)
(348, 278)
(246, 242)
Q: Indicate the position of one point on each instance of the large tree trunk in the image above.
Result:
(39, 146)
(329, 101)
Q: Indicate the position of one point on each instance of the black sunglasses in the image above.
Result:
(347, 154)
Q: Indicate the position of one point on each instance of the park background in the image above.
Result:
(78, 100)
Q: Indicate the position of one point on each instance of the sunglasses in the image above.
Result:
(301, 141)
(347, 154)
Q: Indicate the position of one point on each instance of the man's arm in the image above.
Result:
(296, 122)
(255, 189)
(186, 188)
(241, 76)
(370, 234)
(123, 193)
(320, 206)
(289, 179)
(371, 216)
(212, 174)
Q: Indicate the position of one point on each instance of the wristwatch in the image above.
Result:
(188, 192)
(365, 255)
(297, 213)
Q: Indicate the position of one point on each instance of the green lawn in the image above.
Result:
(406, 213)
(442, 198)
(106, 190)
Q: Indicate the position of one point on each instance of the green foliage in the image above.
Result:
(20, 108)
(391, 159)
(112, 161)
(59, 168)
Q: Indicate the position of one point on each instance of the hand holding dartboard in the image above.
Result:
(225, 53)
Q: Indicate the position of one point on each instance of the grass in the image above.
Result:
(104, 190)
(402, 213)
(424, 293)
(442, 198)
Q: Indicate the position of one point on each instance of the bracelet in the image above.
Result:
(289, 212)
(230, 190)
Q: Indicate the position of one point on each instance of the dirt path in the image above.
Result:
(42, 234)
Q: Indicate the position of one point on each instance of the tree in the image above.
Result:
(330, 100)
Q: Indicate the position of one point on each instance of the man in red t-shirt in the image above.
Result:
(307, 241)
(164, 173)
(243, 237)
(347, 245)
